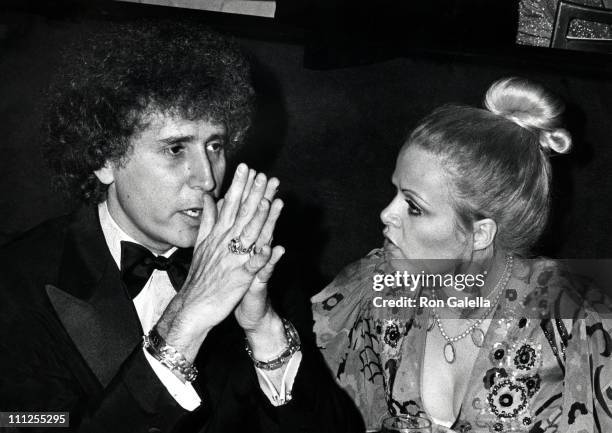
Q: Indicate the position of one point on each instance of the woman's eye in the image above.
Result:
(413, 209)
(214, 147)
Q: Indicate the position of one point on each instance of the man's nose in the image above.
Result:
(389, 215)
(200, 172)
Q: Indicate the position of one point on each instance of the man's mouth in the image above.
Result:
(194, 212)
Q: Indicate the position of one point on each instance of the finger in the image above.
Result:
(233, 195)
(249, 207)
(209, 218)
(258, 261)
(220, 205)
(265, 273)
(249, 185)
(267, 231)
(251, 231)
(271, 188)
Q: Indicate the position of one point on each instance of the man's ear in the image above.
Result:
(484, 233)
(106, 174)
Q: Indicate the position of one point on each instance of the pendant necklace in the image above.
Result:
(474, 331)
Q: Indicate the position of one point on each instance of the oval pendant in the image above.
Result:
(477, 337)
(449, 352)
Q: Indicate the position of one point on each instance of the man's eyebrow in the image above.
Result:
(220, 136)
(180, 139)
(412, 193)
(176, 139)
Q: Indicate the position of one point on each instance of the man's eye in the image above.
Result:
(413, 209)
(215, 146)
(174, 150)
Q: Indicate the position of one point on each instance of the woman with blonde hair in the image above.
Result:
(507, 345)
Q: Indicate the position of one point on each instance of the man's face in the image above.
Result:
(156, 193)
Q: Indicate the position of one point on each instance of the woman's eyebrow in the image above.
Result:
(412, 193)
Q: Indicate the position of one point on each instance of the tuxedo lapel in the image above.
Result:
(91, 300)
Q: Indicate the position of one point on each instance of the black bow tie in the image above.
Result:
(138, 263)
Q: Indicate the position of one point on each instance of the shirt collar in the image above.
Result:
(115, 234)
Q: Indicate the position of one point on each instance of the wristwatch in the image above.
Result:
(294, 345)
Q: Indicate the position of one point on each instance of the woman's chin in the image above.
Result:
(391, 250)
(397, 261)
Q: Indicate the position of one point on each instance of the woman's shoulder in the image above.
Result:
(355, 277)
(566, 289)
(341, 305)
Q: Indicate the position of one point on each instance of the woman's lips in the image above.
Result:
(389, 245)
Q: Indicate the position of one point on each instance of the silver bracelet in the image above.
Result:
(294, 345)
(168, 355)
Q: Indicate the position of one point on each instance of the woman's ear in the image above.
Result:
(484, 233)
(106, 174)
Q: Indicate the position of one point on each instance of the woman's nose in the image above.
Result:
(389, 215)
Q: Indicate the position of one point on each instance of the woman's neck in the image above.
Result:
(489, 269)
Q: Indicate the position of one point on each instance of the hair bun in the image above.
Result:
(558, 140)
(531, 106)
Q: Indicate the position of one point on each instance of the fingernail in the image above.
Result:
(260, 179)
(241, 168)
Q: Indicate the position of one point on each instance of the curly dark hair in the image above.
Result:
(114, 75)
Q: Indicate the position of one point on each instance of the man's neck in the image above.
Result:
(114, 234)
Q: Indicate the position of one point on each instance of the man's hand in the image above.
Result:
(261, 324)
(218, 279)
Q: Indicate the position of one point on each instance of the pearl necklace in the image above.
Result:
(476, 333)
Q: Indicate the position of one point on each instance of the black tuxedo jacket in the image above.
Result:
(70, 340)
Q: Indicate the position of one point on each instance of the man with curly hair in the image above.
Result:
(121, 313)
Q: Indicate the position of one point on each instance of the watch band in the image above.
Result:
(294, 345)
(168, 355)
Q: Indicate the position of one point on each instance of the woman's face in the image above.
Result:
(420, 222)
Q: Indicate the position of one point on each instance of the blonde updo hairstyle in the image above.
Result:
(497, 160)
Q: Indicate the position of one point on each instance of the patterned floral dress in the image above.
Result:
(533, 373)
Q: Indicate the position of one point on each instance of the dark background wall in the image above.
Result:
(331, 134)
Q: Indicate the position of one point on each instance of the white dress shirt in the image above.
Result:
(150, 304)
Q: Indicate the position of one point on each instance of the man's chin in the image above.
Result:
(185, 238)
(186, 242)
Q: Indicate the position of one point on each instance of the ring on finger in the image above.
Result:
(235, 246)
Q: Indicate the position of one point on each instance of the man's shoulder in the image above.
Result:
(32, 259)
(37, 244)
